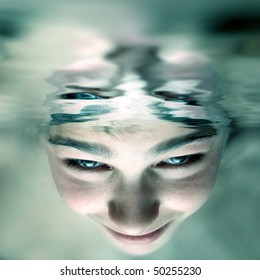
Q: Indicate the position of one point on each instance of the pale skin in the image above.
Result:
(137, 182)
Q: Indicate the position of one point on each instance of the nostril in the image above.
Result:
(152, 210)
(115, 212)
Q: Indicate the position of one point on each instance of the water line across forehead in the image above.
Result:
(135, 82)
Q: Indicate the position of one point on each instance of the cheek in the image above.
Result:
(191, 193)
(81, 198)
(188, 194)
(80, 195)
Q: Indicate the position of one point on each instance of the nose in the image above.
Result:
(134, 205)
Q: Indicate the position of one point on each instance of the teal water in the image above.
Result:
(40, 44)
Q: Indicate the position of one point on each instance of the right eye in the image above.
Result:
(178, 162)
(87, 165)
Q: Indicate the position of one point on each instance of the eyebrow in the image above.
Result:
(175, 143)
(89, 147)
(163, 147)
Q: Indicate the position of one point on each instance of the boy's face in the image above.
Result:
(138, 182)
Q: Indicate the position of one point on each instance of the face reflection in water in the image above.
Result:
(136, 164)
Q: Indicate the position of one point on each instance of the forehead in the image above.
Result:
(125, 130)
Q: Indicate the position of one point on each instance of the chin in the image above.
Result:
(139, 250)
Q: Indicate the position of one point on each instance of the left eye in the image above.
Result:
(180, 161)
(87, 165)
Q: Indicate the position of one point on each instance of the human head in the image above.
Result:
(138, 164)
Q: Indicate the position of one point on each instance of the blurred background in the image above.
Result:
(37, 38)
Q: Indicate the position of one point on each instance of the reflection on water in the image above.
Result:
(134, 128)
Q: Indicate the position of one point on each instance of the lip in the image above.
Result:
(138, 239)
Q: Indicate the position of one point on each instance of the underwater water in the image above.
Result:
(129, 77)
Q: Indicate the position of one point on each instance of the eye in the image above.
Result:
(87, 165)
(182, 161)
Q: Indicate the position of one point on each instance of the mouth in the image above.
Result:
(138, 239)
